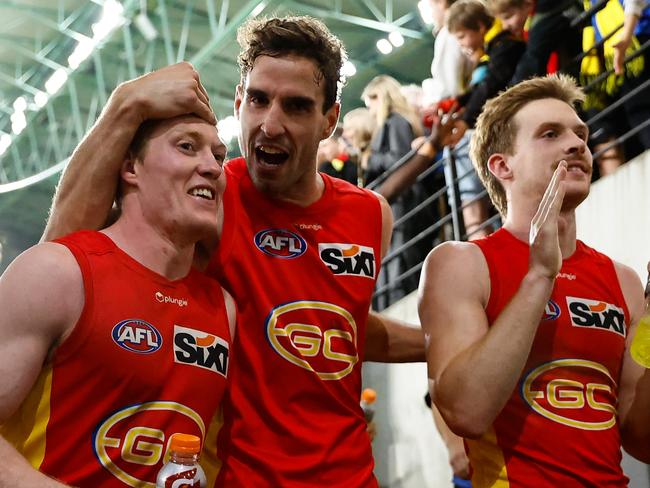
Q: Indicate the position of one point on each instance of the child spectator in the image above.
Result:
(496, 51)
(546, 24)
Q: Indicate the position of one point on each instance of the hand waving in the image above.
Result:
(545, 254)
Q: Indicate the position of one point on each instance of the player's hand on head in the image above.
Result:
(168, 92)
(545, 254)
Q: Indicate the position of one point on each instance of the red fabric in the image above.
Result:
(94, 377)
(289, 420)
(575, 342)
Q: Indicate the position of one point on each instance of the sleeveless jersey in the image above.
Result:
(147, 358)
(302, 279)
(559, 427)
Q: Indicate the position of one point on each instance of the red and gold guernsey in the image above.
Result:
(147, 358)
(303, 280)
(559, 427)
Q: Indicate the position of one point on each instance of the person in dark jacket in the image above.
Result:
(398, 123)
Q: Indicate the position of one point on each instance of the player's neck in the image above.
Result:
(163, 253)
(302, 193)
(519, 223)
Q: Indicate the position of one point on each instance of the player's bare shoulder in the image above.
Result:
(632, 289)
(45, 280)
(456, 268)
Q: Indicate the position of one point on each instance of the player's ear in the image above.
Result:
(128, 169)
(499, 166)
(239, 96)
(331, 119)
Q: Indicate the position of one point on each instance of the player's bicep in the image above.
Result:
(39, 299)
(454, 288)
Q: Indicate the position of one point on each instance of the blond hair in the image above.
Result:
(389, 93)
(362, 123)
(496, 129)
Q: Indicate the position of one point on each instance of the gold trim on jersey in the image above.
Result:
(26, 429)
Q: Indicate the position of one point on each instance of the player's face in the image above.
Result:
(280, 108)
(179, 183)
(549, 131)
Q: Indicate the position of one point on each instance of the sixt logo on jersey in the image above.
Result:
(198, 348)
(280, 243)
(594, 313)
(551, 311)
(136, 335)
(348, 259)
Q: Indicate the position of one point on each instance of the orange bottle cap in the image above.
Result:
(368, 395)
(185, 443)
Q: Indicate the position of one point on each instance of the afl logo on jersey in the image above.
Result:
(551, 311)
(136, 335)
(317, 336)
(574, 392)
(280, 243)
(132, 442)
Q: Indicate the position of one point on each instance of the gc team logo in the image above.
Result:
(280, 243)
(316, 336)
(136, 335)
(559, 391)
(128, 443)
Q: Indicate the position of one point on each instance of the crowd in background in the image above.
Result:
(480, 48)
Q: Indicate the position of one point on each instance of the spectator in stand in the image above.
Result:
(397, 125)
(358, 128)
(549, 31)
(495, 53)
(451, 72)
(333, 159)
(608, 56)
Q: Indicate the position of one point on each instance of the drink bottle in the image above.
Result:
(640, 349)
(368, 397)
(183, 469)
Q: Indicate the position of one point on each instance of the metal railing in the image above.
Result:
(449, 224)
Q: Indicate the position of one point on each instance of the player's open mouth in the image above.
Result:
(271, 155)
(202, 192)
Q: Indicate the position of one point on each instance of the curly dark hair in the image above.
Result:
(300, 36)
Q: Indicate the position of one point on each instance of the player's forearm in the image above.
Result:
(391, 341)
(87, 188)
(474, 387)
(635, 423)
(16, 471)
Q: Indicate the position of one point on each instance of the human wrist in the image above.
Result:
(537, 277)
(125, 107)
